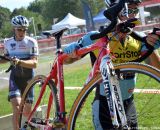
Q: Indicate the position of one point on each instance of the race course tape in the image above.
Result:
(145, 91)
(4, 78)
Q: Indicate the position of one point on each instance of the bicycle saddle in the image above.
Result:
(55, 31)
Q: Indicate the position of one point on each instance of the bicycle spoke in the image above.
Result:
(147, 95)
(40, 115)
(147, 101)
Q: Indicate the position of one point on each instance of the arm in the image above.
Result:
(154, 58)
(83, 42)
(154, 39)
(5, 53)
(69, 49)
(31, 63)
(72, 58)
(3, 61)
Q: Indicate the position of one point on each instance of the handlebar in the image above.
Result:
(7, 59)
(111, 14)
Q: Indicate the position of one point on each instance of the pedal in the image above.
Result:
(58, 124)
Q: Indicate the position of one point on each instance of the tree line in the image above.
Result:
(43, 12)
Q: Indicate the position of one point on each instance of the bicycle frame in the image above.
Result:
(56, 74)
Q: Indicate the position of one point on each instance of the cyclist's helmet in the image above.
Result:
(110, 3)
(124, 11)
(20, 21)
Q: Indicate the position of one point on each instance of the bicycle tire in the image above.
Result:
(39, 116)
(78, 108)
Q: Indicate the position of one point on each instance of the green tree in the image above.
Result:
(59, 9)
(44, 11)
(6, 30)
(36, 6)
(95, 5)
(4, 18)
(51, 9)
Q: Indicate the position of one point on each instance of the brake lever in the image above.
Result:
(10, 60)
(10, 68)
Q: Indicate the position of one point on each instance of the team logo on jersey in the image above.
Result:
(13, 46)
(125, 53)
(22, 46)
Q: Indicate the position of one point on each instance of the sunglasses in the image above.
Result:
(21, 29)
(133, 11)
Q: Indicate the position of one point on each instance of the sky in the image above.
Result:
(12, 4)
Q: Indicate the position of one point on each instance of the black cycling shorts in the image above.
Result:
(17, 86)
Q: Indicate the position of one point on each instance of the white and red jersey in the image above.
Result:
(21, 49)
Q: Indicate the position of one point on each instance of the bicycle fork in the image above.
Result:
(112, 92)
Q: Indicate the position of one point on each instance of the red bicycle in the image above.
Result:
(53, 113)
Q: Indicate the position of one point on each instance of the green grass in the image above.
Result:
(5, 107)
(74, 74)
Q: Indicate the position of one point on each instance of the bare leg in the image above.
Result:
(27, 109)
(15, 105)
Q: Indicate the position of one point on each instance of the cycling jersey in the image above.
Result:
(130, 49)
(23, 50)
(121, 51)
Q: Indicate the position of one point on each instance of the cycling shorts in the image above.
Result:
(17, 86)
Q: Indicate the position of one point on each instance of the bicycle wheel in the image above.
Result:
(39, 116)
(147, 105)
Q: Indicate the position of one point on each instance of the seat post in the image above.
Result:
(58, 40)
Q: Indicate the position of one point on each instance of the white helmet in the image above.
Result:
(110, 3)
(20, 21)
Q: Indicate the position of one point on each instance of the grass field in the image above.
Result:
(75, 74)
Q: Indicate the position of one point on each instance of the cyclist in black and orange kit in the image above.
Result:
(24, 51)
(125, 45)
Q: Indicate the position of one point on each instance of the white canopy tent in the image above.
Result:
(69, 21)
